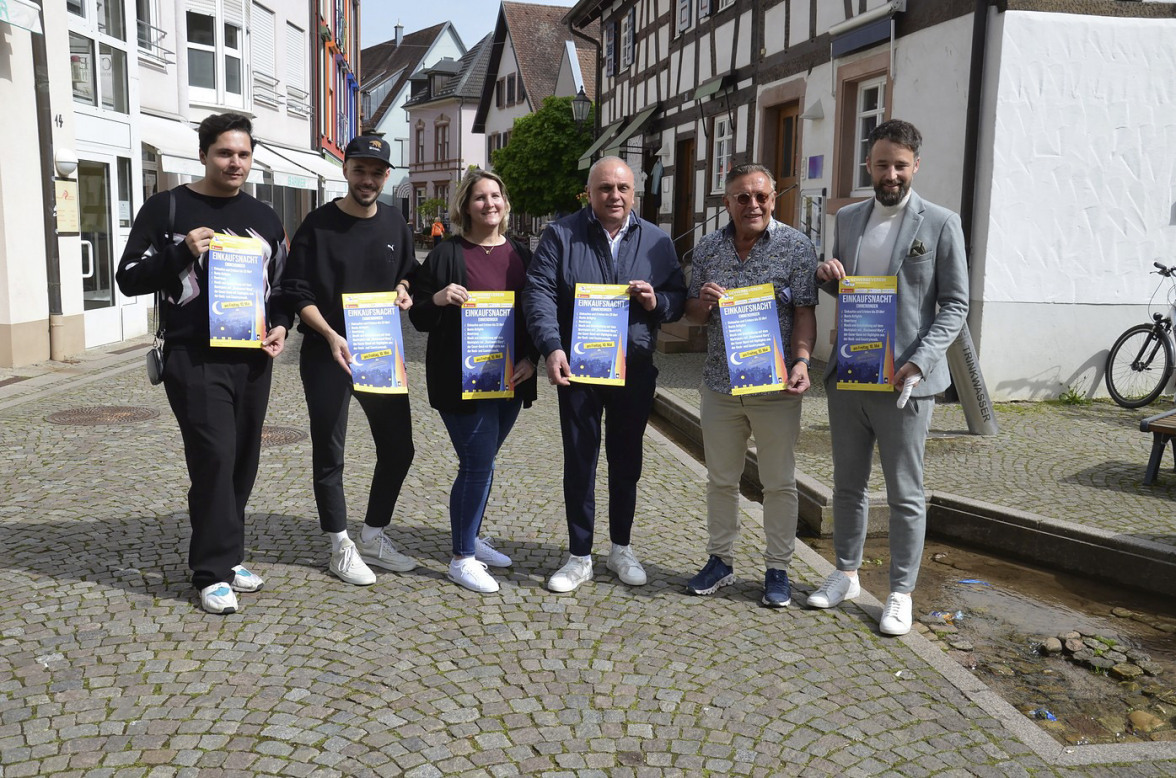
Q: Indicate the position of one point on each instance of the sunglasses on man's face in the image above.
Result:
(744, 198)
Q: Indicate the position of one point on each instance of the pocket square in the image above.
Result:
(917, 249)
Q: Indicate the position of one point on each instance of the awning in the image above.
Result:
(333, 189)
(179, 147)
(712, 87)
(24, 14)
(632, 128)
(285, 172)
(605, 137)
(316, 163)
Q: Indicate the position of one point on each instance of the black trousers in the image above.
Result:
(328, 397)
(626, 411)
(219, 397)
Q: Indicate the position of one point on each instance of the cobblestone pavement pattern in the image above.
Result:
(109, 668)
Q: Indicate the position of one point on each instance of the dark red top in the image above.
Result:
(501, 270)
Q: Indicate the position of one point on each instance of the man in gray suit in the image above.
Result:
(895, 234)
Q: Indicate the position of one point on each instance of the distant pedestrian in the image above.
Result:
(604, 243)
(483, 259)
(895, 233)
(353, 244)
(438, 232)
(218, 395)
(752, 249)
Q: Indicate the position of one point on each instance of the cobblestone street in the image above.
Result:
(108, 666)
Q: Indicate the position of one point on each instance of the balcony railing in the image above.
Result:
(265, 90)
(297, 101)
(151, 44)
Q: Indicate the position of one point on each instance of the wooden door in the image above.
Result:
(786, 163)
(684, 196)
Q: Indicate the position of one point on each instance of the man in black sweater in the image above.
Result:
(354, 244)
(219, 395)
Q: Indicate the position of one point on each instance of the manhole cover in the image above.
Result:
(102, 414)
(280, 436)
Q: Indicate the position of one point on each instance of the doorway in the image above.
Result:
(104, 208)
(684, 196)
(786, 162)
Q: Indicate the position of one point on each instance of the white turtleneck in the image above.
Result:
(879, 237)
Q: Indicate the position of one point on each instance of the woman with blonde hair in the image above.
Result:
(479, 257)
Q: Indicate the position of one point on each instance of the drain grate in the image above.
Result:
(280, 436)
(102, 414)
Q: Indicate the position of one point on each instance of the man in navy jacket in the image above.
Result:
(603, 244)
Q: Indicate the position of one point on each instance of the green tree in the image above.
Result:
(540, 165)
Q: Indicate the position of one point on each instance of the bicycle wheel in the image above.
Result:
(1139, 366)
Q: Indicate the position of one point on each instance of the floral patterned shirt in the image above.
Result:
(782, 256)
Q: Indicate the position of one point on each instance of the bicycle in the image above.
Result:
(1141, 361)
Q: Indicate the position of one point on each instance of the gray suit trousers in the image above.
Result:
(856, 421)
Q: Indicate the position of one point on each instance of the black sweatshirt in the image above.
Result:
(155, 260)
(333, 254)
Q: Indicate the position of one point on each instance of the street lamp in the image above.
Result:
(580, 106)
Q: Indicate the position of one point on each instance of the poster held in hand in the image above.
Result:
(600, 334)
(376, 342)
(487, 345)
(751, 331)
(866, 324)
(236, 292)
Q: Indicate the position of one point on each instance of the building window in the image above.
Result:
(420, 206)
(870, 112)
(500, 93)
(610, 46)
(522, 95)
(628, 22)
(420, 144)
(81, 67)
(297, 98)
(726, 4)
(442, 192)
(442, 142)
(510, 89)
(723, 141)
(215, 59)
(684, 8)
(98, 82)
(704, 8)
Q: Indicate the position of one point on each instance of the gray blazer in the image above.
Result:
(929, 260)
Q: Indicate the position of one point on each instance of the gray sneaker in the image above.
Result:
(347, 564)
(379, 552)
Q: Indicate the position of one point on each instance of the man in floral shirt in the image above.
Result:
(753, 249)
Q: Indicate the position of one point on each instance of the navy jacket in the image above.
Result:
(574, 250)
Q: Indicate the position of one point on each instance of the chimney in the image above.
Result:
(399, 34)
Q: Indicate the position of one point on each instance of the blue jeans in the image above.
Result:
(476, 438)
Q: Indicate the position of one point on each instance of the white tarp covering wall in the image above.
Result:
(1077, 194)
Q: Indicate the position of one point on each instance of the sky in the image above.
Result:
(472, 18)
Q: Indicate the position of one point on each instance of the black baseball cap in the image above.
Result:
(368, 147)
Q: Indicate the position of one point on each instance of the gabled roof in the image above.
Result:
(537, 33)
(466, 75)
(387, 60)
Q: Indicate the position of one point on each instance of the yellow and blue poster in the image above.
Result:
(236, 292)
(600, 333)
(751, 330)
(866, 322)
(376, 343)
(487, 345)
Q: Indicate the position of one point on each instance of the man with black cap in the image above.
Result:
(353, 244)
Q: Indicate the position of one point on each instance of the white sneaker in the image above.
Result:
(837, 588)
(484, 551)
(623, 562)
(896, 615)
(379, 552)
(472, 574)
(347, 564)
(244, 580)
(577, 570)
(218, 598)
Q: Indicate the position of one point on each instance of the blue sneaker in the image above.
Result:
(716, 573)
(218, 598)
(777, 590)
(245, 580)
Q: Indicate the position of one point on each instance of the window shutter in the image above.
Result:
(235, 12)
(295, 57)
(263, 40)
(206, 7)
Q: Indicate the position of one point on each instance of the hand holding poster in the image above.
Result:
(236, 292)
(376, 342)
(866, 322)
(487, 345)
(751, 330)
(600, 334)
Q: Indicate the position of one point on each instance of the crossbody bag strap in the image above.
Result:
(160, 328)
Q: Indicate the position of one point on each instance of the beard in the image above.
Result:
(891, 197)
(363, 199)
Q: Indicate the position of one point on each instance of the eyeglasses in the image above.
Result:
(744, 198)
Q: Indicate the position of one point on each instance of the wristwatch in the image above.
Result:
(802, 359)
